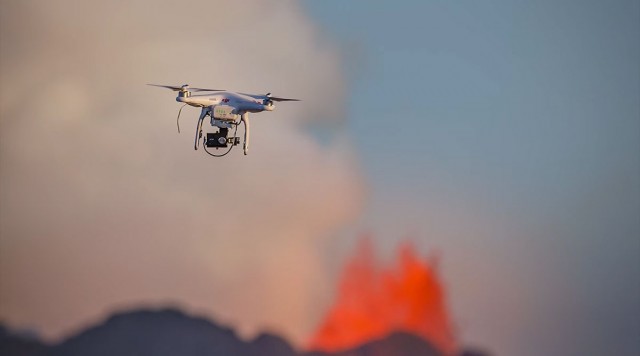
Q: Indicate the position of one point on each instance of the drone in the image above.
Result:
(227, 110)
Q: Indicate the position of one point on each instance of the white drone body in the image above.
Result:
(227, 110)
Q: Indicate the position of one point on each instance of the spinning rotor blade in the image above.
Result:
(267, 97)
(172, 87)
(183, 87)
(203, 89)
(275, 98)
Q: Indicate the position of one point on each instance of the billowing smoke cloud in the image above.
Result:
(103, 205)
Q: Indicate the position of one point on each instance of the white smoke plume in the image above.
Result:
(103, 205)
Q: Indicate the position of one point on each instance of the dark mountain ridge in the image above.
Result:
(169, 332)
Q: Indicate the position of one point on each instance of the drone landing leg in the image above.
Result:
(199, 128)
(245, 119)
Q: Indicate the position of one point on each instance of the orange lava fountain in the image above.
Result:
(374, 302)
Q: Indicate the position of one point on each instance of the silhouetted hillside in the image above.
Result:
(15, 345)
(166, 333)
(170, 332)
(396, 344)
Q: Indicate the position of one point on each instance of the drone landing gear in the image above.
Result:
(245, 120)
(203, 114)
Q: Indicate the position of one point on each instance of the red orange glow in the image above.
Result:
(374, 302)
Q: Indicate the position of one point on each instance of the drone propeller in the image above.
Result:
(184, 87)
(275, 98)
(204, 89)
(172, 87)
(268, 99)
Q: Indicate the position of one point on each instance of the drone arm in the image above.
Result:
(245, 119)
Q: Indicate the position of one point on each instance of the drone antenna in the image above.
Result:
(178, 118)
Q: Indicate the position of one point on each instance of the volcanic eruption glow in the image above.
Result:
(373, 302)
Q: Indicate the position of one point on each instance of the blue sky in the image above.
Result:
(507, 135)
